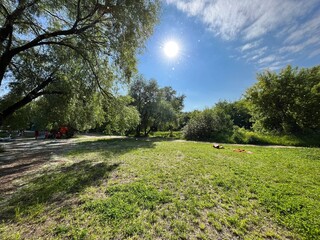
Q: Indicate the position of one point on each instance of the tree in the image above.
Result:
(71, 99)
(183, 119)
(75, 111)
(34, 33)
(20, 119)
(158, 107)
(238, 111)
(212, 123)
(169, 109)
(121, 118)
(287, 102)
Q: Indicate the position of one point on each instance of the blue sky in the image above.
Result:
(224, 43)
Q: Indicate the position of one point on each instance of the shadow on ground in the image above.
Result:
(25, 157)
(114, 147)
(56, 186)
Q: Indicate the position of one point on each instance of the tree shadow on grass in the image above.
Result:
(55, 187)
(61, 184)
(28, 161)
(114, 147)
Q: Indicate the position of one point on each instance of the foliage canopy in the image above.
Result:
(211, 123)
(86, 43)
(158, 107)
(287, 102)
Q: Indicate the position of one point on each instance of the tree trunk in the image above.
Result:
(4, 63)
(36, 92)
(14, 107)
(138, 130)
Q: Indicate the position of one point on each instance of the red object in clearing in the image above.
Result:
(63, 130)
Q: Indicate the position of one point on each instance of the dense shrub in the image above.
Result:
(208, 124)
(239, 135)
(238, 111)
(243, 136)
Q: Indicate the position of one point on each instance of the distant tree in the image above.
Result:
(213, 123)
(103, 36)
(158, 107)
(169, 108)
(145, 94)
(238, 111)
(168, 94)
(121, 118)
(287, 102)
(183, 119)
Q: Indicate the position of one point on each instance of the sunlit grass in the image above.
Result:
(243, 136)
(168, 134)
(157, 189)
(248, 137)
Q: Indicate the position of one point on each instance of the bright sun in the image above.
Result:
(171, 49)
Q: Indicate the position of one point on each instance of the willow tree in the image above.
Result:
(39, 41)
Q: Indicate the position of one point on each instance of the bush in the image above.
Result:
(243, 136)
(239, 135)
(210, 124)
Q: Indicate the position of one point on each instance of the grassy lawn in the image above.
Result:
(157, 189)
(248, 137)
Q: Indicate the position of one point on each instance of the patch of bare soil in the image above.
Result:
(26, 157)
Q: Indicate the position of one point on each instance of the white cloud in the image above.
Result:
(312, 41)
(275, 65)
(291, 48)
(256, 54)
(192, 8)
(249, 21)
(268, 59)
(307, 29)
(249, 46)
(246, 18)
(314, 53)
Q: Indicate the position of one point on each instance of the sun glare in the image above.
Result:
(171, 49)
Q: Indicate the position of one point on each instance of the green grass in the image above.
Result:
(247, 137)
(158, 189)
(167, 134)
(243, 136)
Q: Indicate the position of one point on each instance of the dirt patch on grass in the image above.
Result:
(26, 158)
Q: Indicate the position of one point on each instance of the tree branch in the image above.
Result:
(4, 8)
(56, 16)
(8, 55)
(37, 40)
(8, 25)
(85, 59)
(49, 93)
(61, 43)
(33, 94)
(78, 10)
